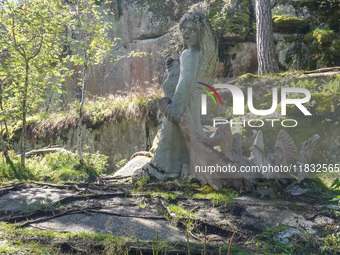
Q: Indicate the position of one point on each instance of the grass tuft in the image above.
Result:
(56, 167)
(97, 110)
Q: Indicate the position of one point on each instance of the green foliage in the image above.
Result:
(30, 43)
(289, 24)
(310, 85)
(140, 183)
(15, 245)
(234, 25)
(323, 36)
(57, 167)
(217, 196)
(325, 98)
(336, 185)
(180, 211)
(273, 245)
(90, 43)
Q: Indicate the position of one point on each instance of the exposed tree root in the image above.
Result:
(129, 216)
(43, 219)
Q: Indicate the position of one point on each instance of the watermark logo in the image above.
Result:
(204, 97)
(239, 102)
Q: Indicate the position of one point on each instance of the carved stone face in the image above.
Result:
(189, 34)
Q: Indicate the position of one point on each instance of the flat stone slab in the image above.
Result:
(260, 213)
(248, 200)
(143, 229)
(36, 197)
(123, 216)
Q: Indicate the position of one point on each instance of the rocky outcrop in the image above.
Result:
(306, 37)
(142, 27)
(117, 140)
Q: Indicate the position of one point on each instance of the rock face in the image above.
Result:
(240, 59)
(143, 26)
(117, 140)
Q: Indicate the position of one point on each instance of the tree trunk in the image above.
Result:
(3, 145)
(80, 117)
(266, 55)
(4, 138)
(24, 109)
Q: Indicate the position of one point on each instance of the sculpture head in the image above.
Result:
(190, 26)
(198, 33)
(190, 34)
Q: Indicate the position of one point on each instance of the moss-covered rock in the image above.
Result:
(232, 19)
(237, 27)
(323, 36)
(289, 24)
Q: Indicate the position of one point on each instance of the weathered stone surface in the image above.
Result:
(280, 212)
(31, 199)
(297, 191)
(285, 49)
(241, 59)
(289, 236)
(131, 167)
(198, 63)
(142, 26)
(123, 216)
(143, 229)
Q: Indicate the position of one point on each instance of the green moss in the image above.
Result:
(290, 38)
(323, 36)
(180, 211)
(244, 79)
(288, 24)
(222, 196)
(314, 52)
(240, 79)
(308, 38)
(234, 24)
(237, 24)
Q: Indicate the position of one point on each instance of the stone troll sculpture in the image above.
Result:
(183, 145)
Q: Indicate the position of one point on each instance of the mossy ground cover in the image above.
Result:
(177, 196)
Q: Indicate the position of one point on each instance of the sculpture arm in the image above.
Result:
(189, 62)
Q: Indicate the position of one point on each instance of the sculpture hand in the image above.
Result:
(171, 113)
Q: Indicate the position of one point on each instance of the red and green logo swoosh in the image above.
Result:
(207, 91)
